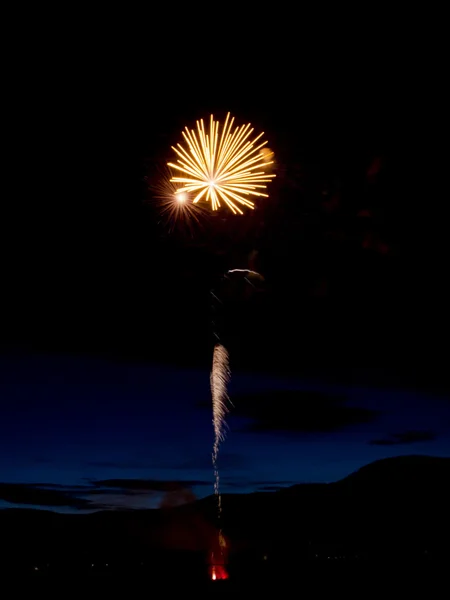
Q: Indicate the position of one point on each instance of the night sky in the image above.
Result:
(106, 334)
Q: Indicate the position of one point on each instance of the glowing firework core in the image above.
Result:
(226, 167)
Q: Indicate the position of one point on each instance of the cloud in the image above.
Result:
(274, 483)
(19, 493)
(247, 484)
(271, 486)
(153, 485)
(407, 437)
(298, 411)
(59, 486)
(104, 494)
(122, 500)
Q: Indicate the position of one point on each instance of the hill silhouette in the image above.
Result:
(390, 509)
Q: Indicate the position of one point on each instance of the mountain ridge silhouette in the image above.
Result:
(392, 506)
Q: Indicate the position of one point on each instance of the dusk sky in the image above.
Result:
(70, 421)
(106, 337)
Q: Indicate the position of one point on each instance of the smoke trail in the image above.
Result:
(220, 376)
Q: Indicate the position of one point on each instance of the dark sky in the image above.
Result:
(106, 318)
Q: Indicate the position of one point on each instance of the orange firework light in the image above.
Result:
(224, 164)
(177, 209)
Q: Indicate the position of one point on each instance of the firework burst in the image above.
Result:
(176, 208)
(224, 165)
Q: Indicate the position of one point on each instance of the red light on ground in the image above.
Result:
(218, 572)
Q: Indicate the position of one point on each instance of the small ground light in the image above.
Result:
(218, 572)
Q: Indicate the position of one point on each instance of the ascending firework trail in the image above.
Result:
(237, 286)
(220, 375)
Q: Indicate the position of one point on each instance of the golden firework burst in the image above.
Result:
(176, 209)
(222, 165)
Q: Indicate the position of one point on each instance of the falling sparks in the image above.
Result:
(220, 376)
(224, 165)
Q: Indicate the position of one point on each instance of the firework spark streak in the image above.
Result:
(220, 376)
(228, 166)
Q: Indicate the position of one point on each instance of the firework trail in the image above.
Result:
(247, 271)
(220, 376)
(219, 379)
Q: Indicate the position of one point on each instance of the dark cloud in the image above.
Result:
(104, 491)
(273, 483)
(298, 411)
(153, 485)
(19, 493)
(122, 499)
(232, 481)
(106, 494)
(59, 486)
(234, 485)
(244, 483)
(271, 486)
(407, 437)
